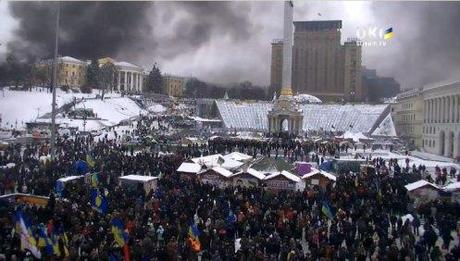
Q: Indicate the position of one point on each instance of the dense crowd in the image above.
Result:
(366, 220)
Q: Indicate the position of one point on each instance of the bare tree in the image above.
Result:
(107, 77)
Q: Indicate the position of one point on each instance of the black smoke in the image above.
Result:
(429, 41)
(87, 29)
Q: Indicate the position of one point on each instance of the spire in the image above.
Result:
(226, 95)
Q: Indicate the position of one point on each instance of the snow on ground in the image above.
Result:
(156, 108)
(112, 110)
(24, 106)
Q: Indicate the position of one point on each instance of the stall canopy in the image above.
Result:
(192, 168)
(419, 184)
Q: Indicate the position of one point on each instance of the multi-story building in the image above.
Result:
(407, 115)
(276, 66)
(322, 66)
(71, 72)
(174, 85)
(376, 87)
(352, 84)
(441, 124)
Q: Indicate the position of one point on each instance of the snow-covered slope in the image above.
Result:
(25, 106)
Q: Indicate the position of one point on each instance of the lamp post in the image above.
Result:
(53, 104)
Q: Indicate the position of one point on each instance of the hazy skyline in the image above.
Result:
(230, 41)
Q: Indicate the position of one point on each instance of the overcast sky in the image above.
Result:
(230, 41)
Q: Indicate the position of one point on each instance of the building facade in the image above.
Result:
(129, 78)
(71, 72)
(441, 124)
(173, 85)
(276, 67)
(408, 116)
(321, 65)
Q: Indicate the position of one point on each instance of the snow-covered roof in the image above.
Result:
(452, 186)
(320, 172)
(306, 98)
(69, 178)
(419, 184)
(255, 173)
(138, 178)
(127, 65)
(285, 174)
(223, 172)
(238, 156)
(338, 117)
(203, 119)
(189, 167)
(70, 59)
(217, 160)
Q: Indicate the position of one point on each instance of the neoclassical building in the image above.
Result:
(130, 77)
(441, 124)
(408, 116)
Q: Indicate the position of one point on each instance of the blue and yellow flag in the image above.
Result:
(44, 241)
(326, 209)
(99, 202)
(388, 33)
(120, 236)
(193, 234)
(90, 160)
(60, 234)
(24, 230)
(94, 180)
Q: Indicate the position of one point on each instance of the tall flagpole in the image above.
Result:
(53, 104)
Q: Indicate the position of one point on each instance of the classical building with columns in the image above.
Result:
(130, 77)
(408, 116)
(441, 124)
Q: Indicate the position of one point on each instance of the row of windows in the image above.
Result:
(429, 143)
(407, 106)
(407, 117)
(429, 130)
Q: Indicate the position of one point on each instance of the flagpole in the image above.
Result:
(53, 103)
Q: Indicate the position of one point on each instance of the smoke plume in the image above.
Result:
(87, 29)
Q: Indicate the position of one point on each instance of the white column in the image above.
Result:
(138, 82)
(126, 81)
(132, 81)
(142, 82)
(452, 109)
(425, 111)
(118, 81)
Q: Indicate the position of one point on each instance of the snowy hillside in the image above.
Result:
(24, 106)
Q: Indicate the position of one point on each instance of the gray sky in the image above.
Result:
(230, 41)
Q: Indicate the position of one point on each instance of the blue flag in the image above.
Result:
(118, 231)
(326, 209)
(99, 202)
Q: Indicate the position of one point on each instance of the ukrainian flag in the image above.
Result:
(388, 33)
(193, 234)
(44, 241)
(118, 232)
(99, 202)
(94, 180)
(24, 230)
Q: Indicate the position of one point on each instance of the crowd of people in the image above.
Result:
(359, 217)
